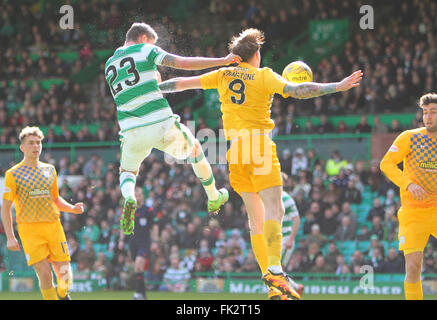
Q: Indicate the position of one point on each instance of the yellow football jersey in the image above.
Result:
(246, 95)
(418, 152)
(32, 189)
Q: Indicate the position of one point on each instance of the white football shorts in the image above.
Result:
(169, 136)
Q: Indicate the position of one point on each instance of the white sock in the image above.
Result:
(292, 283)
(127, 184)
(275, 269)
(202, 169)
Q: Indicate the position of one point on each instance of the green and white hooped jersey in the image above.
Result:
(290, 212)
(132, 76)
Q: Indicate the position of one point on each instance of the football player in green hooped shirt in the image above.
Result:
(290, 228)
(145, 118)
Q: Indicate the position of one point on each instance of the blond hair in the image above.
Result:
(30, 131)
(247, 43)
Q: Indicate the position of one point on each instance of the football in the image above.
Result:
(297, 72)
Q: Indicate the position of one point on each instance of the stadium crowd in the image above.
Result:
(397, 63)
(324, 191)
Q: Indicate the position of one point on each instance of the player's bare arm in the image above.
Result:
(11, 243)
(66, 207)
(180, 84)
(309, 90)
(197, 63)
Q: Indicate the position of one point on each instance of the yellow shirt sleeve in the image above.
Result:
(55, 191)
(274, 82)
(10, 191)
(395, 155)
(210, 80)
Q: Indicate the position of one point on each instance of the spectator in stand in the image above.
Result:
(394, 263)
(351, 194)
(377, 260)
(205, 261)
(346, 211)
(299, 162)
(250, 264)
(309, 127)
(302, 186)
(340, 265)
(377, 228)
(316, 236)
(296, 263)
(313, 160)
(175, 278)
(344, 231)
(310, 220)
(390, 199)
(334, 164)
(364, 233)
(325, 126)
(375, 177)
(341, 180)
(374, 243)
(208, 236)
(328, 222)
(286, 161)
(376, 211)
(391, 224)
(342, 128)
(73, 248)
(237, 239)
(363, 126)
(289, 126)
(87, 256)
(395, 126)
(319, 265)
(331, 256)
(378, 126)
(309, 259)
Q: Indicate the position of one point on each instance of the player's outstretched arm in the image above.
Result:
(180, 84)
(307, 90)
(11, 242)
(66, 207)
(197, 63)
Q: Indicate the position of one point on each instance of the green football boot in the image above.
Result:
(127, 222)
(214, 206)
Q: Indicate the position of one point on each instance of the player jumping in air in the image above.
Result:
(246, 94)
(32, 186)
(417, 149)
(146, 119)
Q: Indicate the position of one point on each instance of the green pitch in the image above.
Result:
(127, 295)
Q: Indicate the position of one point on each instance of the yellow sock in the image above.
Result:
(273, 239)
(260, 251)
(49, 294)
(413, 291)
(62, 288)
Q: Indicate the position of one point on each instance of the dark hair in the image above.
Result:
(139, 29)
(428, 98)
(247, 43)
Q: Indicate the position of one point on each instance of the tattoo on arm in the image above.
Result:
(169, 60)
(168, 86)
(309, 90)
